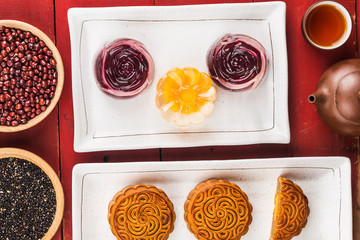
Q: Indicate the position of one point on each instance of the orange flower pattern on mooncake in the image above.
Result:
(218, 210)
(141, 212)
(291, 210)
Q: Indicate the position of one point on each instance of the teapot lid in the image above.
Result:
(348, 97)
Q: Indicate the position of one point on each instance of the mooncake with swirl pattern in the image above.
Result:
(218, 210)
(291, 210)
(141, 212)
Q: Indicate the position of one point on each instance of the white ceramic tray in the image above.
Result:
(177, 36)
(325, 181)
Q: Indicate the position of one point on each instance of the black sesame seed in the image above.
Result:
(27, 200)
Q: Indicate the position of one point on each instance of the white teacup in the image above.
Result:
(327, 25)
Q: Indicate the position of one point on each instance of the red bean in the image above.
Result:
(28, 76)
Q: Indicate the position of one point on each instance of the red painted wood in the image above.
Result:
(38, 13)
(309, 135)
(68, 157)
(43, 138)
(188, 2)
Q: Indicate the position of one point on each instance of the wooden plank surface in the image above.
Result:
(309, 135)
(42, 139)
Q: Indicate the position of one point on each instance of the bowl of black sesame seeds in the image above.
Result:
(31, 75)
(31, 196)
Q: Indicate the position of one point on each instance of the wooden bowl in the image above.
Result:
(44, 166)
(59, 68)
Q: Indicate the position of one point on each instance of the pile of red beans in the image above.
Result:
(28, 76)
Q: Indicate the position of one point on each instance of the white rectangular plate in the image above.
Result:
(324, 180)
(177, 36)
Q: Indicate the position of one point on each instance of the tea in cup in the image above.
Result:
(327, 25)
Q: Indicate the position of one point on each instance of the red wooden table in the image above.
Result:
(52, 139)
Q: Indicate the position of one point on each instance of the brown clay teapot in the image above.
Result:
(337, 97)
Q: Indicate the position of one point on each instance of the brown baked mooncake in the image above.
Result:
(291, 210)
(141, 212)
(218, 210)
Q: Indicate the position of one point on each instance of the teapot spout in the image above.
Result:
(312, 98)
(317, 98)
